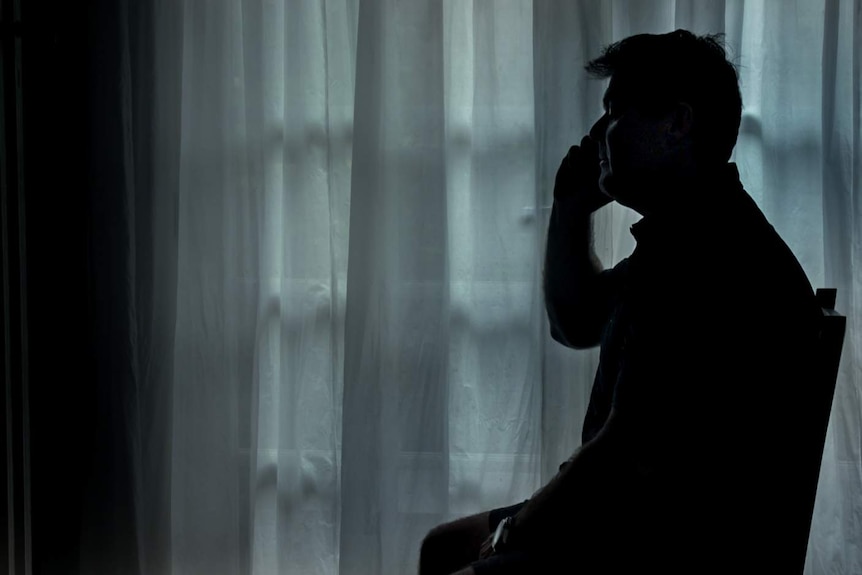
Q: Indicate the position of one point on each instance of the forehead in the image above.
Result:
(612, 92)
(629, 93)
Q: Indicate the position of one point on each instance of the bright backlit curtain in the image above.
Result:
(346, 342)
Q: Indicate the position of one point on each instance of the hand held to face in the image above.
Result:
(577, 181)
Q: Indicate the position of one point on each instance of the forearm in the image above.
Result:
(570, 272)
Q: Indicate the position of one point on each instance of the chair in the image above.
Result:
(831, 341)
(811, 433)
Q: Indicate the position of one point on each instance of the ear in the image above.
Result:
(681, 121)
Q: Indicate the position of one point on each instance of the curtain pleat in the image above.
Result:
(335, 219)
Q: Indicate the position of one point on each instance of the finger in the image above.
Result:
(590, 147)
(563, 179)
(562, 176)
(569, 160)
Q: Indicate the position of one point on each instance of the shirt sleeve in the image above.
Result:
(611, 284)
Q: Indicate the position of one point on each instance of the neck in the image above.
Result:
(682, 189)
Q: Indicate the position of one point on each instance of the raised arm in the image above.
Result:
(575, 298)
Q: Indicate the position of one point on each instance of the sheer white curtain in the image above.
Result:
(360, 348)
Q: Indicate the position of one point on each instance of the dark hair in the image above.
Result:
(656, 71)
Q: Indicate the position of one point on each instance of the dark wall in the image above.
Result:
(80, 478)
(60, 379)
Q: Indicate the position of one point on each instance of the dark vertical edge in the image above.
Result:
(57, 388)
(15, 542)
(6, 501)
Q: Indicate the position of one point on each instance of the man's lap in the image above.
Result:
(497, 515)
(512, 562)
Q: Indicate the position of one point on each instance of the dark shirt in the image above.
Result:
(706, 357)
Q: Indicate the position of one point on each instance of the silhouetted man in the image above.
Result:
(706, 330)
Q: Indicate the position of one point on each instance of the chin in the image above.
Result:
(608, 186)
(618, 191)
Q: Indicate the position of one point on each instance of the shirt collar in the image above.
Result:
(703, 204)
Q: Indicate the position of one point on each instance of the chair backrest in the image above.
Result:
(831, 340)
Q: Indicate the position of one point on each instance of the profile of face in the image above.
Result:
(639, 152)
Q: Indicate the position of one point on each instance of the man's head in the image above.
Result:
(672, 113)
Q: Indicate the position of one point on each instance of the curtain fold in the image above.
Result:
(135, 111)
(335, 221)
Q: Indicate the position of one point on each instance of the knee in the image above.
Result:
(431, 551)
(452, 546)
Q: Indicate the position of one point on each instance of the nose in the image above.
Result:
(597, 132)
